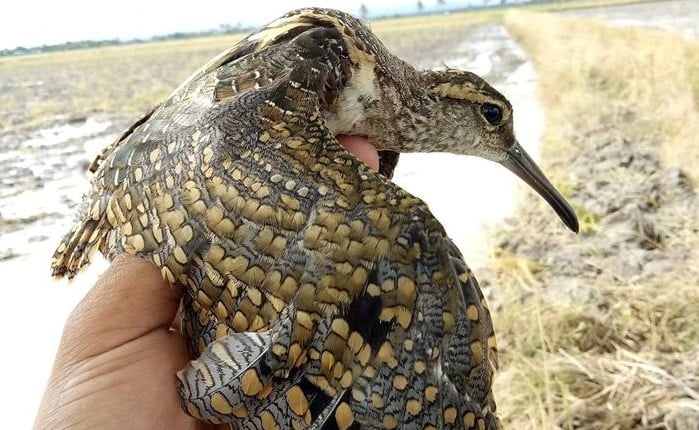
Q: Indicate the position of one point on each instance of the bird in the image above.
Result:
(319, 294)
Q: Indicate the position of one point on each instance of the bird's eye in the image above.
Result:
(492, 113)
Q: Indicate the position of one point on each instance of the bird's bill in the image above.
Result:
(519, 162)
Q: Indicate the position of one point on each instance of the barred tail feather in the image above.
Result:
(77, 248)
(85, 238)
(225, 382)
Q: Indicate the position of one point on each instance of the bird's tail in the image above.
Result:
(86, 237)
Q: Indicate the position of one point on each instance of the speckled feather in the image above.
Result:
(319, 293)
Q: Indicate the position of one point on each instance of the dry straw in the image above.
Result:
(597, 349)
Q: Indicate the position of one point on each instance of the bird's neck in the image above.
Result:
(393, 114)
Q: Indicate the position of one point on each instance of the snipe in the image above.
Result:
(320, 294)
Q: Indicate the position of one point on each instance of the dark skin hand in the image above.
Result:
(116, 364)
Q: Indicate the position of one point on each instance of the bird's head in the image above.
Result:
(476, 118)
(462, 114)
(402, 110)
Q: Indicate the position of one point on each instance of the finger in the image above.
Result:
(360, 147)
(176, 323)
(130, 299)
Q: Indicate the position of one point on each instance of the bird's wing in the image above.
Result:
(153, 151)
(226, 62)
(400, 339)
(369, 313)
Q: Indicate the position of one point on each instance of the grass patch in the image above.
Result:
(639, 77)
(693, 74)
(587, 347)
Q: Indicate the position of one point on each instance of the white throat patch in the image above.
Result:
(350, 106)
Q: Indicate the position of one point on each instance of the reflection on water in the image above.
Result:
(42, 180)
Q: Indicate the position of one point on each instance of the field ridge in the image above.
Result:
(601, 331)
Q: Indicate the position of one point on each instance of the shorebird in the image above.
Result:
(319, 293)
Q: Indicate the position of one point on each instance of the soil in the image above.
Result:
(634, 208)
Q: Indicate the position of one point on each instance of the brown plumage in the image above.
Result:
(319, 293)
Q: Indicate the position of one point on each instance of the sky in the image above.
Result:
(37, 22)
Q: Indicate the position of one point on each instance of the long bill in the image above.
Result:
(519, 162)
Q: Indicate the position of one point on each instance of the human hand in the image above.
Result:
(116, 364)
(361, 148)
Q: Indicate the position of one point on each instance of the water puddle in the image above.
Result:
(60, 134)
(42, 179)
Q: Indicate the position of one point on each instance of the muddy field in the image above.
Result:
(676, 16)
(61, 109)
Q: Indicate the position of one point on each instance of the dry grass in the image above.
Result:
(624, 356)
(656, 72)
(626, 360)
(479, 16)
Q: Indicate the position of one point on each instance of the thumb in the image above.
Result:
(361, 148)
(129, 300)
